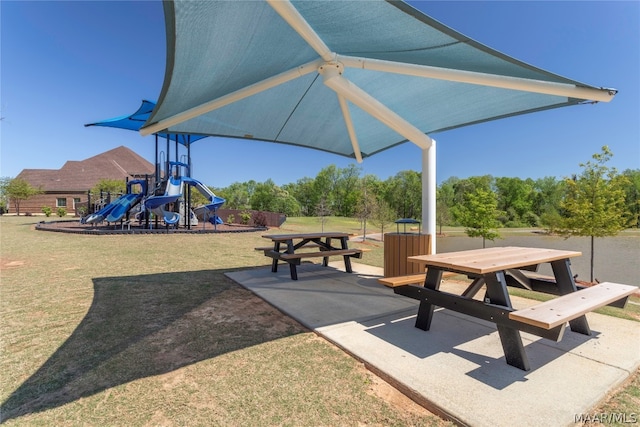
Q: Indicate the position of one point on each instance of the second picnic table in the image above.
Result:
(489, 268)
(286, 247)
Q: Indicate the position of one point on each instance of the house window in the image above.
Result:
(76, 200)
(61, 202)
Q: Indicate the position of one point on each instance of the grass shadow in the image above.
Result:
(141, 326)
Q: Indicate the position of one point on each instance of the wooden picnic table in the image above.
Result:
(291, 248)
(488, 268)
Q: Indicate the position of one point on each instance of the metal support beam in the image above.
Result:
(332, 78)
(300, 25)
(484, 79)
(350, 129)
(238, 95)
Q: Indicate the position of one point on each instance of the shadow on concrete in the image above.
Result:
(471, 339)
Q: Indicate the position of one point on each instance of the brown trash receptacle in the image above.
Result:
(400, 245)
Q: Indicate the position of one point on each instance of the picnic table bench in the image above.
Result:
(292, 248)
(488, 268)
(409, 279)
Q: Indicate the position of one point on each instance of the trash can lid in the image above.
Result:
(407, 221)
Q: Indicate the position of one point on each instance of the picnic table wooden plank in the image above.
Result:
(285, 237)
(321, 254)
(567, 307)
(308, 245)
(489, 260)
(409, 279)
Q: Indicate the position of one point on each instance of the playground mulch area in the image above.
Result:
(70, 226)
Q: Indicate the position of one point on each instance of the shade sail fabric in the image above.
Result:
(136, 120)
(382, 51)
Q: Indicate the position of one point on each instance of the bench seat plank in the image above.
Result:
(284, 248)
(560, 310)
(411, 279)
(321, 254)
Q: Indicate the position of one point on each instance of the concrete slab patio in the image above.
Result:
(457, 369)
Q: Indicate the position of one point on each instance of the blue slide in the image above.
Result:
(114, 211)
(117, 209)
(156, 204)
(99, 216)
(208, 210)
(126, 203)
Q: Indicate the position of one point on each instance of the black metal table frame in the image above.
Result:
(324, 246)
(495, 307)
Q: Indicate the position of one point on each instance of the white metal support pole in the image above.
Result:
(429, 189)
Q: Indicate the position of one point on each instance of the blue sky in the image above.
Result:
(64, 64)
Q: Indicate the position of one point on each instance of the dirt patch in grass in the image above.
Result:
(7, 263)
(394, 397)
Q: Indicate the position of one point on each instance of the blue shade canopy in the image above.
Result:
(136, 120)
(348, 77)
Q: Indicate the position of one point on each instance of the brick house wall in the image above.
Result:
(53, 200)
(70, 184)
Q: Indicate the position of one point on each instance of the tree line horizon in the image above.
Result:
(596, 202)
(512, 201)
(344, 192)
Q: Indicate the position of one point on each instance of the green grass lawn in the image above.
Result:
(141, 330)
(144, 330)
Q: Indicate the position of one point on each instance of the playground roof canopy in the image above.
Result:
(348, 77)
(136, 120)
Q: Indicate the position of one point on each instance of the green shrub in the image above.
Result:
(245, 217)
(514, 224)
(531, 219)
(46, 210)
(230, 219)
(62, 212)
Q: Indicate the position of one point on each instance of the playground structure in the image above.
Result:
(166, 196)
(173, 205)
(168, 204)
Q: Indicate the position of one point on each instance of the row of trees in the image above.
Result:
(509, 202)
(500, 201)
(597, 202)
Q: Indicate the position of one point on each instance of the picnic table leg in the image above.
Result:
(274, 263)
(509, 337)
(566, 285)
(293, 271)
(325, 260)
(425, 311)
(292, 266)
(347, 258)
